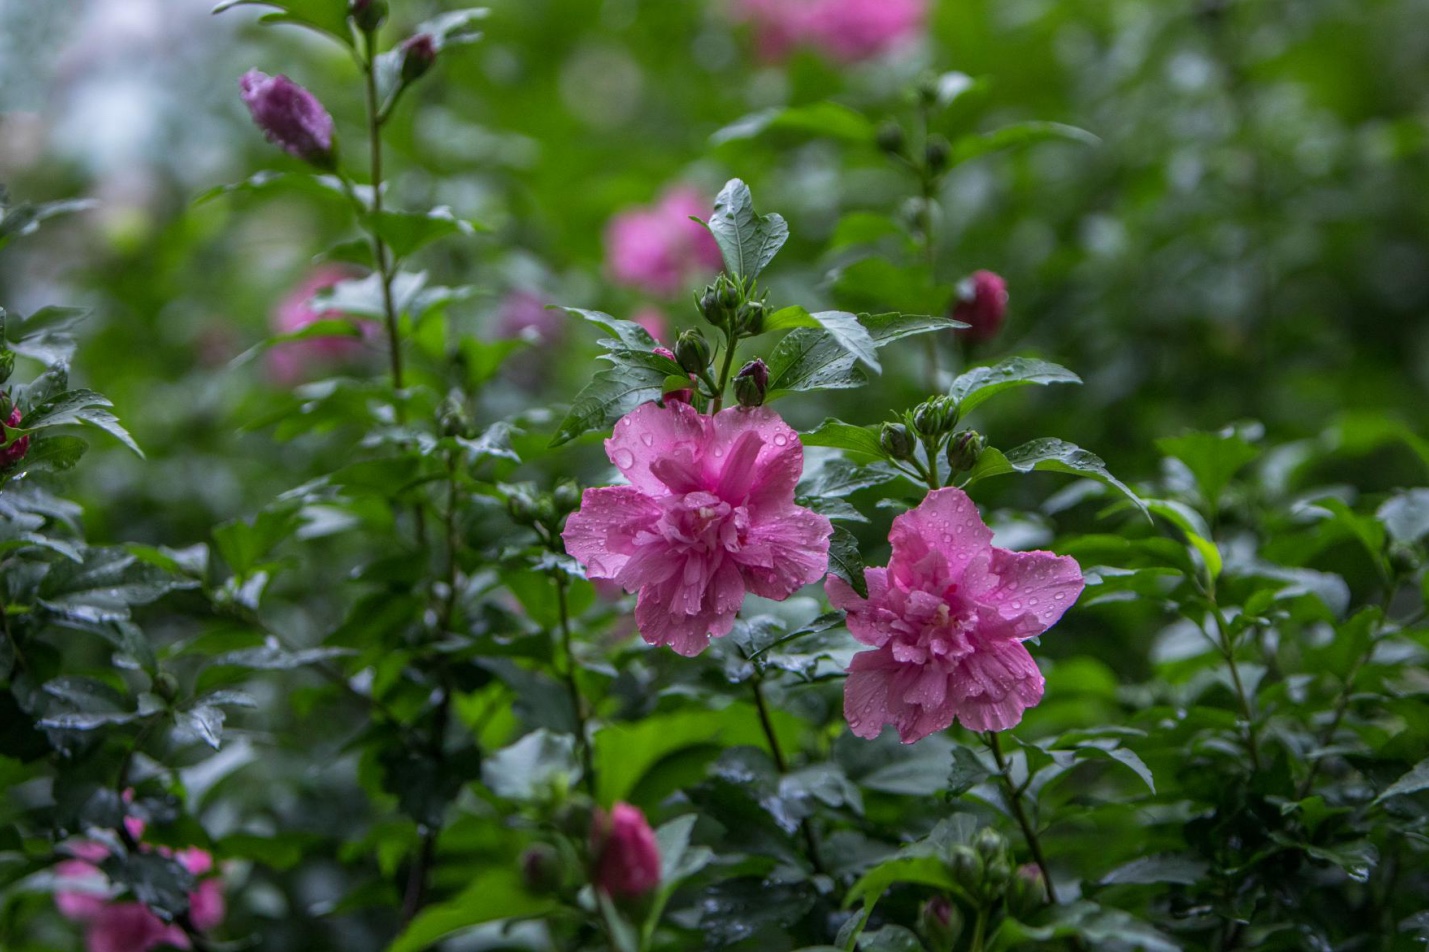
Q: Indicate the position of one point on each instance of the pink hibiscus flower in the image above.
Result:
(946, 620)
(293, 361)
(709, 515)
(846, 30)
(656, 248)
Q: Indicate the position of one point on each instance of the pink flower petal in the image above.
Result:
(603, 534)
(1032, 590)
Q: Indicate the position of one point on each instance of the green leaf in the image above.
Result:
(967, 771)
(364, 296)
(1048, 455)
(1147, 870)
(845, 328)
(846, 562)
(1019, 134)
(923, 870)
(747, 241)
(953, 85)
(204, 721)
(88, 720)
(1412, 782)
(328, 17)
(322, 186)
(980, 384)
(1406, 516)
(1213, 458)
(494, 894)
(105, 585)
(274, 657)
(637, 378)
(79, 406)
(53, 453)
(808, 359)
(815, 119)
(406, 232)
(532, 766)
(628, 334)
(860, 441)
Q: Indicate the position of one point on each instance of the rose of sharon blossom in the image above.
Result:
(524, 314)
(625, 856)
(289, 115)
(846, 30)
(981, 304)
(946, 620)
(657, 249)
(292, 361)
(709, 515)
(84, 895)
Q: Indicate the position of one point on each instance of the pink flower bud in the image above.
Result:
(419, 53)
(290, 116)
(982, 304)
(626, 862)
(16, 451)
(675, 396)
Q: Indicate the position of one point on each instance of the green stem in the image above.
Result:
(811, 842)
(379, 247)
(1227, 648)
(1014, 801)
(568, 671)
(730, 340)
(979, 927)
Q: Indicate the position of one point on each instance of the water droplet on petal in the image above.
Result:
(718, 452)
(648, 439)
(623, 459)
(780, 439)
(1058, 597)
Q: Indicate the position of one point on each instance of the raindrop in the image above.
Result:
(648, 439)
(780, 439)
(1059, 597)
(1016, 606)
(718, 452)
(623, 459)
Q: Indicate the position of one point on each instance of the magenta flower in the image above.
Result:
(675, 396)
(625, 857)
(16, 451)
(85, 895)
(946, 620)
(292, 361)
(846, 30)
(290, 116)
(982, 304)
(525, 313)
(657, 249)
(709, 515)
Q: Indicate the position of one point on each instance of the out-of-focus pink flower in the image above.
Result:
(290, 116)
(846, 30)
(946, 620)
(654, 322)
(626, 858)
(85, 894)
(708, 516)
(16, 451)
(293, 361)
(524, 313)
(982, 304)
(657, 248)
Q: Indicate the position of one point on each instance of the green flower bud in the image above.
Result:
(728, 294)
(935, 417)
(928, 90)
(749, 319)
(522, 508)
(965, 450)
(543, 871)
(166, 686)
(1403, 560)
(573, 818)
(891, 138)
(966, 868)
(368, 14)
(692, 352)
(7, 362)
(419, 53)
(1027, 892)
(937, 153)
(452, 418)
(567, 496)
(751, 384)
(896, 441)
(989, 843)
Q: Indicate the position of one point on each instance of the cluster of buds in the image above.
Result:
(935, 417)
(16, 450)
(725, 305)
(530, 507)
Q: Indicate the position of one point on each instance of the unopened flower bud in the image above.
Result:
(941, 923)
(966, 868)
(7, 356)
(573, 818)
(965, 449)
(290, 116)
(625, 859)
(928, 90)
(419, 52)
(166, 686)
(989, 843)
(522, 508)
(728, 294)
(749, 319)
(452, 417)
(1402, 559)
(566, 496)
(12, 454)
(896, 441)
(982, 305)
(542, 870)
(368, 14)
(1027, 892)
(692, 351)
(751, 384)
(935, 416)
(891, 138)
(683, 395)
(936, 154)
